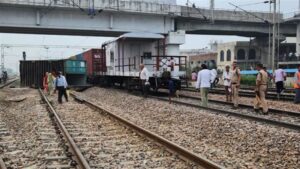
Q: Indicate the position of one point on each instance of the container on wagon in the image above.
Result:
(33, 71)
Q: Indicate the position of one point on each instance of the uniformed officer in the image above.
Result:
(235, 84)
(260, 90)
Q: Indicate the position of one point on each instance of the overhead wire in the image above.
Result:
(249, 13)
(251, 4)
(198, 10)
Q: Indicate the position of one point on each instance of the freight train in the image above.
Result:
(116, 63)
(118, 60)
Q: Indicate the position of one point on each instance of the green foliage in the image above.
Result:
(248, 80)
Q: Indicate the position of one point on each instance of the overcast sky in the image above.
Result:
(13, 54)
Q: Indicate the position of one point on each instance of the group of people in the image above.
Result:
(207, 78)
(232, 78)
(145, 84)
(53, 82)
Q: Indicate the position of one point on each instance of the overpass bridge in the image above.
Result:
(115, 17)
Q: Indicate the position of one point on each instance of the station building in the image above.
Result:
(248, 54)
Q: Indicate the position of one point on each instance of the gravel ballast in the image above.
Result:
(228, 141)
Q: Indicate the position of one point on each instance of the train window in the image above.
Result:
(82, 64)
(112, 56)
(147, 55)
(228, 55)
(222, 56)
(252, 54)
(241, 54)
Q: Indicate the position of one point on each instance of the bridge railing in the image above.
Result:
(130, 6)
(291, 14)
(229, 15)
(147, 7)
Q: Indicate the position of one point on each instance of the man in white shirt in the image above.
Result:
(61, 85)
(144, 76)
(203, 83)
(279, 78)
(227, 83)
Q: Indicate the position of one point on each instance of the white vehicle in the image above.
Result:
(124, 54)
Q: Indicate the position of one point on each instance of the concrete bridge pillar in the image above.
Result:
(298, 39)
(174, 40)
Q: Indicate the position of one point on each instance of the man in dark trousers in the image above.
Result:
(61, 85)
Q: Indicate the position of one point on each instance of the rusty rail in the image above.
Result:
(83, 164)
(8, 83)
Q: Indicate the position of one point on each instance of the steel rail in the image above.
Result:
(8, 83)
(2, 164)
(272, 110)
(287, 90)
(250, 117)
(249, 94)
(205, 163)
(83, 164)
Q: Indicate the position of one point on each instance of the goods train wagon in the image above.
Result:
(33, 71)
(95, 62)
(117, 62)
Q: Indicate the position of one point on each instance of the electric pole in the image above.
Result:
(274, 34)
(269, 49)
(212, 7)
(2, 57)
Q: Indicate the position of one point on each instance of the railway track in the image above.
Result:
(50, 148)
(287, 119)
(8, 83)
(70, 150)
(272, 96)
(106, 140)
(287, 90)
(6, 141)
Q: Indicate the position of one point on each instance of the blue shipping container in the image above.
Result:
(75, 67)
(79, 57)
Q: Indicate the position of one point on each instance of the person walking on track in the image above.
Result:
(235, 83)
(297, 86)
(61, 85)
(50, 83)
(203, 83)
(260, 90)
(144, 76)
(227, 83)
(279, 78)
(45, 83)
